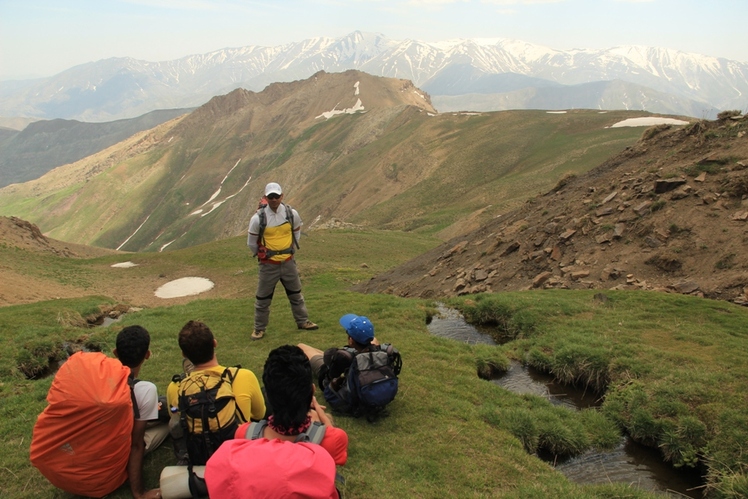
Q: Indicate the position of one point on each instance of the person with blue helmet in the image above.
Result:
(360, 332)
(332, 366)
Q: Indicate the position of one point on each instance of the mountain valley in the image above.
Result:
(366, 150)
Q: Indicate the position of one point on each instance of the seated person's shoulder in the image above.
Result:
(146, 396)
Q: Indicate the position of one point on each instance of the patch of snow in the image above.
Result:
(136, 231)
(215, 206)
(430, 114)
(356, 87)
(186, 286)
(215, 194)
(555, 112)
(165, 245)
(219, 203)
(649, 121)
(196, 212)
(124, 265)
(351, 110)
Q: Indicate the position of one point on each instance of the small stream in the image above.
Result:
(630, 462)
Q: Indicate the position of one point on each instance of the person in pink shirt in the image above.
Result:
(277, 458)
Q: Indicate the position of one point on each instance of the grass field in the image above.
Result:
(674, 368)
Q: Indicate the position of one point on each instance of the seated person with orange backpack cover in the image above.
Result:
(100, 421)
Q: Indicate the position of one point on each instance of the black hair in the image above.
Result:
(196, 342)
(132, 345)
(288, 385)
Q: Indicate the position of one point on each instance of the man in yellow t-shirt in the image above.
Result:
(273, 234)
(198, 346)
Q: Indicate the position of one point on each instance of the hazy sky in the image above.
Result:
(43, 37)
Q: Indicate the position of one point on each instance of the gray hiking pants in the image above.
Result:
(288, 275)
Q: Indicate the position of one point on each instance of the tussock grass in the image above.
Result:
(670, 367)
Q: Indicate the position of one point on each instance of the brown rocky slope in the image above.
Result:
(669, 213)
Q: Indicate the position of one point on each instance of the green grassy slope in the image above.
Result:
(200, 181)
(448, 432)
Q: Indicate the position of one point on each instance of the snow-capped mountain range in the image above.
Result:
(470, 74)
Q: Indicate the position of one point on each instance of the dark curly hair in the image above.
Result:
(196, 342)
(288, 385)
(132, 345)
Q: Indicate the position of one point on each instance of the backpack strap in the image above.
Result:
(289, 218)
(314, 434)
(395, 361)
(229, 376)
(131, 381)
(255, 429)
(263, 223)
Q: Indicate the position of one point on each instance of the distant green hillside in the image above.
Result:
(395, 164)
(46, 144)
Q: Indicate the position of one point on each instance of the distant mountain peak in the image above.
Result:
(124, 87)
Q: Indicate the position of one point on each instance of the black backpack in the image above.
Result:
(369, 384)
(208, 412)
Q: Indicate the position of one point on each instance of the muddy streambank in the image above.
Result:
(629, 462)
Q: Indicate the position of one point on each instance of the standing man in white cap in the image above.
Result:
(273, 238)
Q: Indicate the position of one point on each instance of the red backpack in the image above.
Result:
(81, 441)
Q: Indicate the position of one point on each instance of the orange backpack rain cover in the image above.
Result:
(81, 441)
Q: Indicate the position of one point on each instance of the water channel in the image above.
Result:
(630, 462)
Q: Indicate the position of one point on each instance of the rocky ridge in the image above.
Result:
(667, 214)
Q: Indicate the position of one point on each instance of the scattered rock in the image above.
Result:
(457, 249)
(652, 242)
(667, 185)
(566, 235)
(510, 249)
(642, 208)
(556, 253)
(541, 278)
(610, 197)
(579, 274)
(665, 262)
(604, 238)
(685, 287)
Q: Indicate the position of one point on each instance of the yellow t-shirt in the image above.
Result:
(279, 238)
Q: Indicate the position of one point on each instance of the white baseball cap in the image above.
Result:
(273, 188)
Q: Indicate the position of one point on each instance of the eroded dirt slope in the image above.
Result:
(669, 213)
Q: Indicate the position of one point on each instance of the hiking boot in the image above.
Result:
(257, 335)
(308, 326)
(187, 366)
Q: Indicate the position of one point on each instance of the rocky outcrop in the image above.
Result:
(668, 214)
